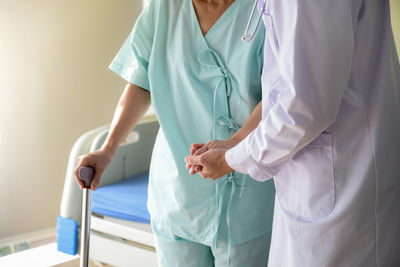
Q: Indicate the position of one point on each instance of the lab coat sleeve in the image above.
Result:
(313, 43)
(132, 60)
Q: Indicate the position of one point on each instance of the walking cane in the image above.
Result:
(86, 175)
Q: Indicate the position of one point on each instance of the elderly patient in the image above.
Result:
(186, 58)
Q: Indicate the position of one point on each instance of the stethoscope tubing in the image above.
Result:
(248, 37)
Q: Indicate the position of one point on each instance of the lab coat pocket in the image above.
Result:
(305, 185)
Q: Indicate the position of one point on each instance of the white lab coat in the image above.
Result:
(330, 134)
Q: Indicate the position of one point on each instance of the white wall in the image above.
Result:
(54, 85)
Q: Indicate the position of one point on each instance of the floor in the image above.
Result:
(98, 264)
(46, 255)
(23, 242)
(37, 249)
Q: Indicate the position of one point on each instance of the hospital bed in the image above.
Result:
(120, 231)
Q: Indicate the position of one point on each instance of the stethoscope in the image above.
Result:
(247, 37)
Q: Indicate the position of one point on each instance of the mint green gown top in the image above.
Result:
(202, 88)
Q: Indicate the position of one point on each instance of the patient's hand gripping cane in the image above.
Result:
(86, 175)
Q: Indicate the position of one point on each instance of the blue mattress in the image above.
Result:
(126, 199)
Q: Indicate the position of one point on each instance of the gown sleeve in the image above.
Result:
(313, 43)
(132, 60)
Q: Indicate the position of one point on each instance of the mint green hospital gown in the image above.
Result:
(202, 88)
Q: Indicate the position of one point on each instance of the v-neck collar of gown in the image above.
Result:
(215, 26)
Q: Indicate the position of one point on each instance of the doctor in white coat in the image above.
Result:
(329, 134)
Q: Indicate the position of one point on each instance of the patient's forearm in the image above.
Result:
(132, 105)
(251, 123)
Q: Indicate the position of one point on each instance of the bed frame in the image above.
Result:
(112, 241)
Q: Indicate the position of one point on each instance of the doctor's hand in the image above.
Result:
(99, 161)
(198, 149)
(212, 162)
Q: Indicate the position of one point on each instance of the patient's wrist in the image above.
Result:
(109, 149)
(234, 140)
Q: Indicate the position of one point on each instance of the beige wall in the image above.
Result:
(54, 85)
(395, 12)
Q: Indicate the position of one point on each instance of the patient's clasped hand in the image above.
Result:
(208, 160)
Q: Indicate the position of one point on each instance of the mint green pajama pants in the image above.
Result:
(184, 253)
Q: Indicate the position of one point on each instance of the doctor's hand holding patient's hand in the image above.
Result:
(198, 149)
(208, 159)
(212, 162)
